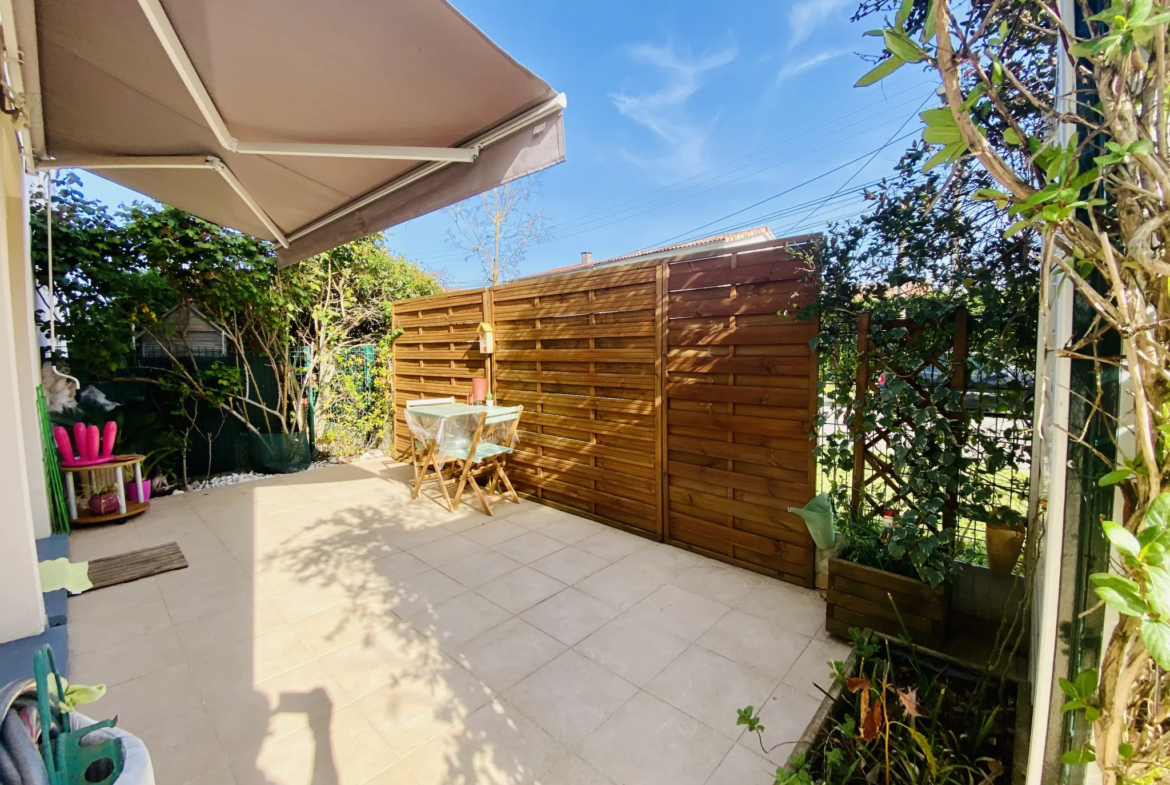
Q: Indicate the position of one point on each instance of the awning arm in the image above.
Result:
(168, 162)
(549, 107)
(178, 55)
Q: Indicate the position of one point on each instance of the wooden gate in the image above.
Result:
(741, 403)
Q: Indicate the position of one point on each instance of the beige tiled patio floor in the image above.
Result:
(331, 630)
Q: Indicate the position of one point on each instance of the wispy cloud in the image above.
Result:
(664, 111)
(792, 69)
(808, 15)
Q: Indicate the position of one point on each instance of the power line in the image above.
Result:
(785, 191)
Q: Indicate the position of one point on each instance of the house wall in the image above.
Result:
(22, 611)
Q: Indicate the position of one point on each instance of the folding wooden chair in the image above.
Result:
(416, 446)
(485, 458)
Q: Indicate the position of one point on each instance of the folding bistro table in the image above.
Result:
(449, 432)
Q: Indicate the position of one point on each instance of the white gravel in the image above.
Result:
(233, 478)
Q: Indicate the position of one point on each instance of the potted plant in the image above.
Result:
(1005, 539)
(892, 579)
(104, 500)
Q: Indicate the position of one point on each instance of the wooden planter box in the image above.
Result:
(860, 597)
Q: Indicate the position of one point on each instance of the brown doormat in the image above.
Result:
(134, 565)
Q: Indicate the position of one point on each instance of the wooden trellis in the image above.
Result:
(871, 464)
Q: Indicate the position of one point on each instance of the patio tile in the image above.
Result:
(127, 660)
(496, 744)
(750, 640)
(239, 666)
(86, 634)
(464, 519)
(333, 628)
(567, 528)
(417, 706)
(784, 715)
(412, 538)
(741, 767)
(460, 619)
(619, 585)
(531, 516)
(520, 589)
(205, 637)
(676, 610)
(113, 599)
(711, 688)
(494, 532)
(137, 702)
(529, 547)
(650, 742)
(417, 597)
(570, 696)
(570, 615)
(182, 748)
(309, 598)
(342, 749)
(399, 566)
(569, 565)
(719, 582)
(507, 653)
(812, 667)
(447, 549)
(632, 649)
(479, 568)
(574, 771)
(613, 544)
(221, 776)
(363, 666)
(662, 562)
(800, 610)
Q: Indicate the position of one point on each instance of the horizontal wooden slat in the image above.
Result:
(776, 271)
(743, 482)
(607, 304)
(576, 355)
(791, 429)
(723, 393)
(588, 449)
(521, 475)
(784, 366)
(632, 381)
(554, 332)
(458, 336)
(783, 459)
(751, 512)
(731, 306)
(411, 353)
(507, 397)
(779, 335)
(588, 426)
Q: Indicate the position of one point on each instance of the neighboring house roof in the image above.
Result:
(732, 238)
(200, 320)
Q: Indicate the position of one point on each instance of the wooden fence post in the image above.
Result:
(858, 424)
(662, 328)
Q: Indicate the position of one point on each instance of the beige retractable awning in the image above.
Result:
(309, 123)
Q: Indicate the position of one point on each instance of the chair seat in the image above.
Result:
(482, 452)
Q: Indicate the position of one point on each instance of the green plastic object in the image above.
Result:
(67, 760)
(819, 517)
(58, 511)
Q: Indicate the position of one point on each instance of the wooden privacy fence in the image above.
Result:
(666, 397)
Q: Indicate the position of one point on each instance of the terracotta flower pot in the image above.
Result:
(1004, 545)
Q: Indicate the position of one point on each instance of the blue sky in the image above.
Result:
(681, 117)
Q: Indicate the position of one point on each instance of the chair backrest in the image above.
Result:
(503, 414)
(429, 401)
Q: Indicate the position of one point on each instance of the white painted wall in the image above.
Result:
(22, 610)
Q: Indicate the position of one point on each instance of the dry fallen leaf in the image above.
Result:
(909, 700)
(857, 683)
(871, 721)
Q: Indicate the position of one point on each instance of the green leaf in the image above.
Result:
(1011, 137)
(1122, 538)
(1158, 591)
(1092, 713)
(1016, 227)
(902, 47)
(1158, 513)
(1079, 757)
(1156, 636)
(881, 71)
(1087, 683)
(1140, 10)
(1068, 688)
(1124, 603)
(924, 745)
(1113, 581)
(1125, 750)
(1114, 477)
(942, 135)
(903, 13)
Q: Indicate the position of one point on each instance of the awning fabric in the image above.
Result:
(345, 72)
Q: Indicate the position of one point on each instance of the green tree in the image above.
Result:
(1098, 196)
